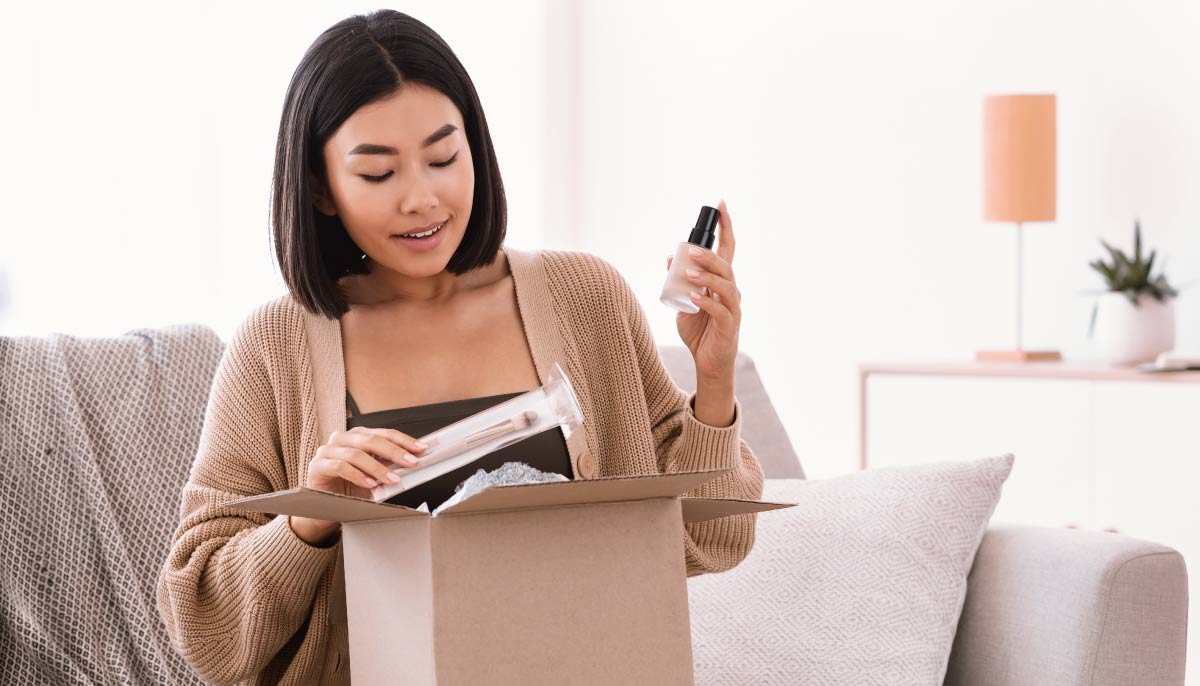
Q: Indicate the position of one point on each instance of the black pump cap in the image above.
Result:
(705, 231)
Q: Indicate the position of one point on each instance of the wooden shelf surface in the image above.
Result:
(1064, 370)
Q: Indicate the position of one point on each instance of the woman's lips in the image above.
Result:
(423, 229)
(422, 244)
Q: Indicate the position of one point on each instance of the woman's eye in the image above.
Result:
(381, 179)
(376, 179)
(448, 162)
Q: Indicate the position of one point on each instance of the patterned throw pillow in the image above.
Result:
(861, 583)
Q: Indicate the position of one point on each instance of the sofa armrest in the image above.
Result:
(1066, 606)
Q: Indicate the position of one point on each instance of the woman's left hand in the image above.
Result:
(712, 333)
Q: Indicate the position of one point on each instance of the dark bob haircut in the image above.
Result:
(356, 62)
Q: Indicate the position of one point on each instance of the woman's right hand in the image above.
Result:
(359, 457)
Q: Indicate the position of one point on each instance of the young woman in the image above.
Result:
(405, 311)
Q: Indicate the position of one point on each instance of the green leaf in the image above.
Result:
(1119, 260)
(1125, 270)
(1112, 252)
(1137, 240)
(1165, 288)
(1139, 275)
(1133, 276)
(1106, 272)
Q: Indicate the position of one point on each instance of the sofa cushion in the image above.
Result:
(98, 437)
(861, 583)
(761, 428)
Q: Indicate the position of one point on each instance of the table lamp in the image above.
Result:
(1019, 177)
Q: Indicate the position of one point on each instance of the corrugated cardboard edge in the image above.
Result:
(704, 509)
(306, 502)
(584, 491)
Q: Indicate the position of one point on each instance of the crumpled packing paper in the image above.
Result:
(507, 474)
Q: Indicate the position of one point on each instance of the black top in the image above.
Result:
(546, 451)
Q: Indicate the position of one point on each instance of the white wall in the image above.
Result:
(844, 136)
(102, 233)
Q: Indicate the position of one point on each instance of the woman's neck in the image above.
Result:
(379, 288)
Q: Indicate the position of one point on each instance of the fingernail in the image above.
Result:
(422, 445)
(695, 252)
(696, 295)
(372, 483)
(693, 272)
(393, 478)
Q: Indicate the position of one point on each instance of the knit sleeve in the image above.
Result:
(684, 443)
(236, 586)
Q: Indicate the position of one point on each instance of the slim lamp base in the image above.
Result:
(1017, 356)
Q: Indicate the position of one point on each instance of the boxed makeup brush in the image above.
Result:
(551, 405)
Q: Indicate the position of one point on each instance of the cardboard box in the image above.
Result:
(574, 582)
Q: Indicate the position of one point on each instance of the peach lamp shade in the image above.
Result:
(1019, 158)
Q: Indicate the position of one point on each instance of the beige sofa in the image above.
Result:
(98, 436)
(1044, 606)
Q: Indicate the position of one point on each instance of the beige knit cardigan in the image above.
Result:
(245, 600)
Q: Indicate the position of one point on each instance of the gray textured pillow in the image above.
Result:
(861, 583)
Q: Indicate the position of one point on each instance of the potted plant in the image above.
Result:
(1134, 320)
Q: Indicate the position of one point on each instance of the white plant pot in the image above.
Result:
(1125, 334)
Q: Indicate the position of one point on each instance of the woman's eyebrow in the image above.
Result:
(374, 149)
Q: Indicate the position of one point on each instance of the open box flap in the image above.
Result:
(704, 509)
(306, 502)
(608, 489)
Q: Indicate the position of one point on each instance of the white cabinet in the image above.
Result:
(1095, 447)
(922, 419)
(1148, 466)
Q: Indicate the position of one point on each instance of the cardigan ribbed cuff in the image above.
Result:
(287, 563)
(706, 447)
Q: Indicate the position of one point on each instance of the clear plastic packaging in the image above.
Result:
(549, 406)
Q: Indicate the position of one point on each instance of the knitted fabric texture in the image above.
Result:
(245, 600)
(96, 437)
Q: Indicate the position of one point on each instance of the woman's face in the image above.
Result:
(402, 166)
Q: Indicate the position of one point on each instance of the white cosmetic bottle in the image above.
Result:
(676, 291)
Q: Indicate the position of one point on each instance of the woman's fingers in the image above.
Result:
(353, 465)
(726, 242)
(716, 310)
(387, 444)
(727, 292)
(399, 438)
(360, 474)
(711, 261)
(406, 440)
(362, 456)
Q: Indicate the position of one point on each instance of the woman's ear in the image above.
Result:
(321, 199)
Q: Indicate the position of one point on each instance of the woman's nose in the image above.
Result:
(418, 196)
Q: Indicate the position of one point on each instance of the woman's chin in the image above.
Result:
(418, 263)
